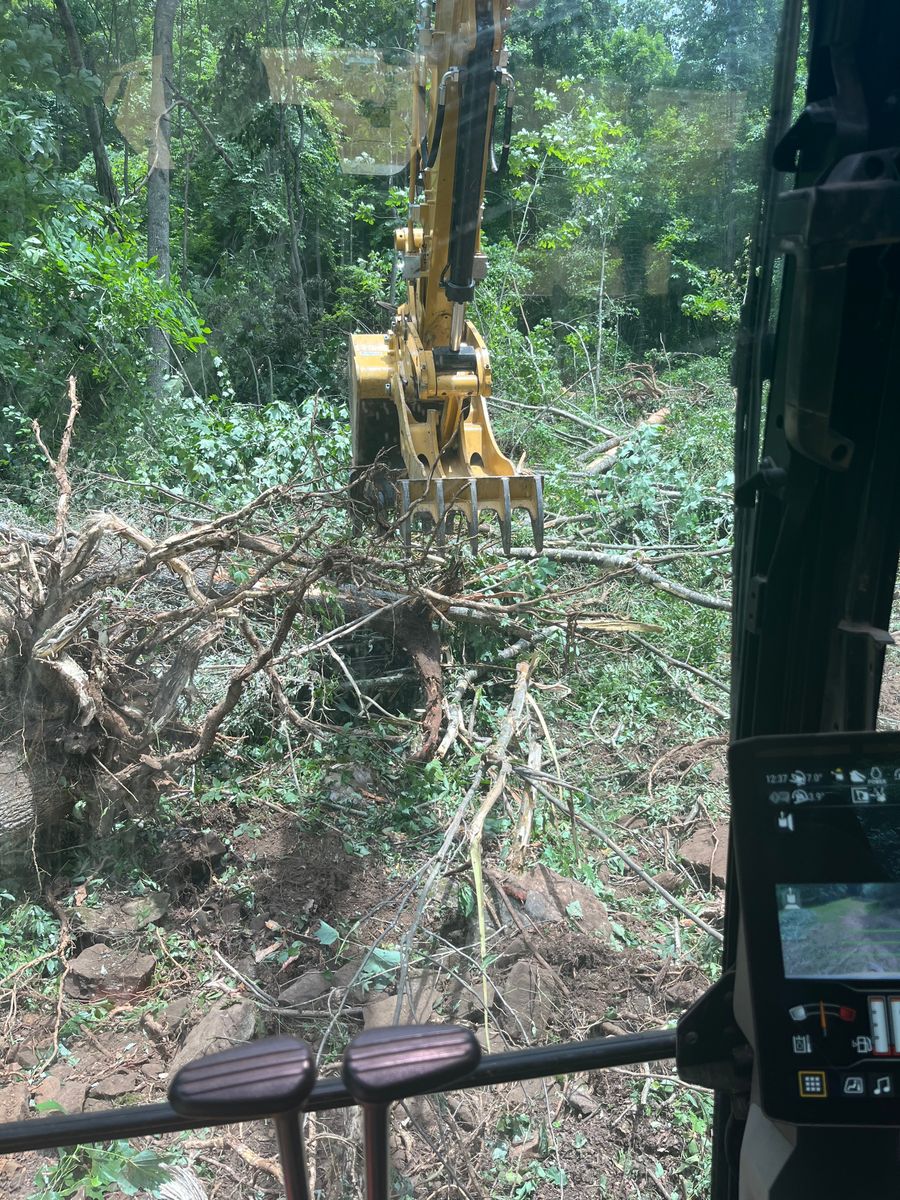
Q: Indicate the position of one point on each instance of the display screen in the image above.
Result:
(839, 930)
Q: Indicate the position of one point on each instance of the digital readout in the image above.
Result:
(839, 930)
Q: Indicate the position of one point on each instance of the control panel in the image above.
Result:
(816, 830)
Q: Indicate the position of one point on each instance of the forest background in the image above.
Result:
(197, 207)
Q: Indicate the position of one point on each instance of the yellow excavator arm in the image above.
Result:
(419, 417)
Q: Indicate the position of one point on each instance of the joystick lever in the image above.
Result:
(269, 1078)
(383, 1065)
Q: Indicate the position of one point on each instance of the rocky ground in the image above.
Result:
(237, 942)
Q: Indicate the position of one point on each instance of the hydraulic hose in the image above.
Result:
(471, 139)
(428, 155)
(498, 166)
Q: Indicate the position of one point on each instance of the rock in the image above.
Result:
(542, 909)
(26, 1056)
(310, 986)
(230, 915)
(13, 1102)
(509, 952)
(528, 996)
(112, 921)
(706, 851)
(122, 1083)
(415, 1009)
(681, 994)
(68, 1093)
(206, 848)
(550, 898)
(176, 1012)
(670, 880)
(102, 970)
(152, 1069)
(227, 1024)
(465, 1001)
(582, 1100)
(718, 772)
(498, 1040)
(343, 978)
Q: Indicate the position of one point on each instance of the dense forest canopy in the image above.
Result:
(617, 232)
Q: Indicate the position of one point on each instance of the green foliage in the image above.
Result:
(227, 452)
(95, 1172)
(77, 295)
(26, 931)
(33, 97)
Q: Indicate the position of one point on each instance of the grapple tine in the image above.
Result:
(506, 518)
(405, 528)
(537, 517)
(440, 529)
(473, 517)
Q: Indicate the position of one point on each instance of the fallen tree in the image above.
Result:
(130, 649)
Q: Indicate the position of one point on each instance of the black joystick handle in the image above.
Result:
(256, 1080)
(383, 1065)
(270, 1078)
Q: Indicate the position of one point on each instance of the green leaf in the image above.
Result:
(326, 934)
(573, 909)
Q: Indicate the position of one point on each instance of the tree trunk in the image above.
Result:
(106, 184)
(290, 157)
(160, 167)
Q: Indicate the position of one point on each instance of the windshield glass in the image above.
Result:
(365, 455)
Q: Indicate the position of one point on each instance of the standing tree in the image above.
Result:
(106, 184)
(160, 166)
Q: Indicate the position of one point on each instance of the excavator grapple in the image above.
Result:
(422, 439)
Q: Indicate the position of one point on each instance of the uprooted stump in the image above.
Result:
(112, 647)
(123, 656)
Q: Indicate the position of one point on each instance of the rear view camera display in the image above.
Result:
(839, 930)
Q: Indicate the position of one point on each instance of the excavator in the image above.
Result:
(799, 1038)
(420, 427)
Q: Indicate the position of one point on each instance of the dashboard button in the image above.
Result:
(852, 1085)
(812, 1085)
(882, 1086)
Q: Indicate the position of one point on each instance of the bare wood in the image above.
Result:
(499, 754)
(250, 1157)
(59, 464)
(617, 562)
(609, 449)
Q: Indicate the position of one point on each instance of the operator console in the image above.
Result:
(816, 833)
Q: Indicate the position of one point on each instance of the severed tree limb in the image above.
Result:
(217, 715)
(677, 662)
(204, 128)
(539, 783)
(618, 562)
(250, 1157)
(59, 464)
(608, 451)
(499, 754)
(455, 716)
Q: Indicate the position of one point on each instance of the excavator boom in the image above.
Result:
(419, 416)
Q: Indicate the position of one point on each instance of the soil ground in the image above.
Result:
(237, 926)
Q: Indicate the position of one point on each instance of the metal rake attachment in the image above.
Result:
(439, 498)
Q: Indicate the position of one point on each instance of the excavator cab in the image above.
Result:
(421, 431)
(800, 1037)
